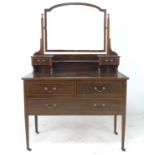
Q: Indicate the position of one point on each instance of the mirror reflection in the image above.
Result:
(75, 28)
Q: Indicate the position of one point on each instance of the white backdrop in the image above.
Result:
(19, 39)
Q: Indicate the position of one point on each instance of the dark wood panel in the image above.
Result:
(76, 66)
(61, 58)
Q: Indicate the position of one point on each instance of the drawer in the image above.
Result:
(73, 105)
(108, 61)
(99, 88)
(41, 61)
(50, 88)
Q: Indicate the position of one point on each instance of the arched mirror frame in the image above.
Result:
(44, 30)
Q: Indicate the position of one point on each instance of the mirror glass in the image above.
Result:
(75, 28)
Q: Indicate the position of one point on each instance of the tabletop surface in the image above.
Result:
(74, 75)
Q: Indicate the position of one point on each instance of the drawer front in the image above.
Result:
(50, 88)
(41, 61)
(73, 106)
(99, 88)
(109, 61)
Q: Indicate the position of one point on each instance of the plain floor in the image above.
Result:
(78, 135)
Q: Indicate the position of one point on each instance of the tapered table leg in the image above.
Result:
(123, 131)
(115, 124)
(36, 124)
(123, 118)
(27, 132)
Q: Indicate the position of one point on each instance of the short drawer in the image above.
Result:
(109, 61)
(73, 106)
(99, 88)
(41, 61)
(50, 88)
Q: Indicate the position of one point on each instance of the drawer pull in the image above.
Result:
(50, 90)
(100, 90)
(38, 60)
(50, 105)
(95, 105)
(43, 60)
(103, 105)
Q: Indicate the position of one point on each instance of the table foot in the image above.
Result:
(37, 132)
(29, 149)
(123, 149)
(116, 133)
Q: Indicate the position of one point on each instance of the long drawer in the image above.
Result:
(99, 88)
(50, 88)
(73, 105)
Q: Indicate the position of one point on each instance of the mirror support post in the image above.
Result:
(42, 47)
(108, 31)
(108, 35)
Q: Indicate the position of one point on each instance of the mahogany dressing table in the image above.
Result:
(75, 84)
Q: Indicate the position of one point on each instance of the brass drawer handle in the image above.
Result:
(100, 90)
(38, 60)
(50, 105)
(50, 90)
